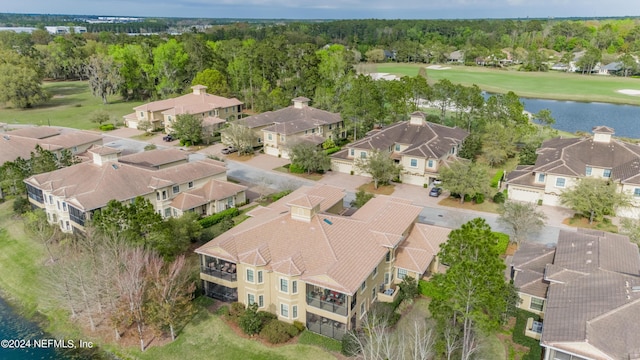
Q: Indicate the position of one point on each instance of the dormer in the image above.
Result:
(199, 90)
(300, 102)
(417, 118)
(305, 207)
(103, 154)
(602, 134)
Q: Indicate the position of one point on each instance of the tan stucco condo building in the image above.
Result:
(300, 259)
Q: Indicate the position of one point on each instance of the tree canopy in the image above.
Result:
(464, 178)
(521, 219)
(380, 166)
(188, 128)
(594, 198)
(309, 157)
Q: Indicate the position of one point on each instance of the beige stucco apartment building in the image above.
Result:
(302, 260)
(421, 147)
(164, 177)
(214, 110)
(561, 163)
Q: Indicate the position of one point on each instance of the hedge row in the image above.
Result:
(218, 217)
(332, 150)
(496, 179)
(503, 242)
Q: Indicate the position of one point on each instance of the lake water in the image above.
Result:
(575, 116)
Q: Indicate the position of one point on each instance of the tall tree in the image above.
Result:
(594, 198)
(380, 166)
(36, 225)
(521, 219)
(170, 66)
(214, 80)
(474, 293)
(104, 76)
(20, 81)
(309, 157)
(188, 128)
(464, 178)
(238, 136)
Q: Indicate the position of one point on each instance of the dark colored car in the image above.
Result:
(168, 137)
(435, 192)
(229, 150)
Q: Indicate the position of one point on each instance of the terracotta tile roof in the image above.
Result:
(421, 247)
(211, 191)
(71, 139)
(88, 186)
(103, 150)
(291, 120)
(13, 147)
(427, 140)
(523, 175)
(156, 157)
(200, 102)
(332, 251)
(35, 132)
(592, 308)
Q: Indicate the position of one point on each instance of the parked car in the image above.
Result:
(435, 192)
(229, 150)
(168, 137)
(437, 182)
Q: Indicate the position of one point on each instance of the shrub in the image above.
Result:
(236, 310)
(223, 311)
(250, 321)
(218, 217)
(495, 180)
(362, 198)
(279, 195)
(425, 185)
(498, 198)
(150, 147)
(409, 287)
(429, 288)
(266, 316)
(300, 326)
(21, 205)
(332, 150)
(276, 332)
(386, 312)
(350, 345)
(467, 198)
(478, 198)
(503, 242)
(296, 169)
(107, 127)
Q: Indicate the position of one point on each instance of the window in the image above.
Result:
(402, 273)
(176, 189)
(66, 223)
(363, 309)
(363, 286)
(169, 117)
(251, 299)
(388, 257)
(294, 311)
(560, 182)
(167, 212)
(284, 310)
(270, 136)
(157, 196)
(284, 285)
(386, 278)
(375, 272)
(636, 192)
(588, 171)
(190, 184)
(351, 152)
(164, 194)
(397, 147)
(64, 206)
(142, 114)
(606, 173)
(281, 138)
(250, 275)
(373, 294)
(363, 155)
(430, 163)
(414, 162)
(294, 287)
(330, 126)
(536, 304)
(50, 199)
(260, 300)
(313, 131)
(58, 204)
(260, 279)
(541, 177)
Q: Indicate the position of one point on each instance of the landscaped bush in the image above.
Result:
(21, 205)
(327, 343)
(236, 310)
(535, 351)
(409, 288)
(478, 198)
(300, 326)
(277, 332)
(332, 150)
(503, 242)
(499, 198)
(218, 217)
(266, 316)
(495, 180)
(428, 288)
(107, 127)
(280, 195)
(386, 312)
(296, 169)
(250, 321)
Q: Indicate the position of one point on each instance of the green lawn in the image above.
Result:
(71, 105)
(548, 85)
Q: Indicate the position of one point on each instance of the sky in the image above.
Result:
(330, 9)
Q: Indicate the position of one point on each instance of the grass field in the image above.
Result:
(546, 85)
(71, 105)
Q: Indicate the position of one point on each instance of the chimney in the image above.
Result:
(199, 90)
(103, 154)
(300, 102)
(305, 207)
(417, 118)
(602, 134)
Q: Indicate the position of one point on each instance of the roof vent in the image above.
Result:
(588, 261)
(327, 221)
(114, 166)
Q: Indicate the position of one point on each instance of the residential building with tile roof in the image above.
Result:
(561, 163)
(299, 122)
(592, 305)
(70, 195)
(214, 110)
(22, 142)
(303, 261)
(421, 147)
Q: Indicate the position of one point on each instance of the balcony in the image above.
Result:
(220, 292)
(323, 326)
(328, 300)
(388, 295)
(219, 268)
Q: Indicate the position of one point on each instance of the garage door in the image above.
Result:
(271, 151)
(527, 195)
(413, 179)
(340, 166)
